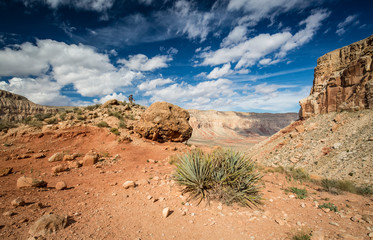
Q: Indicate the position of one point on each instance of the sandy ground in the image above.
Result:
(100, 208)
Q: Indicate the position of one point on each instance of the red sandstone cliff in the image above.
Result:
(343, 80)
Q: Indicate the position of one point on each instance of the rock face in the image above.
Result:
(164, 121)
(14, 107)
(235, 128)
(343, 80)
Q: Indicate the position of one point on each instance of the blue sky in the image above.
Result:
(238, 55)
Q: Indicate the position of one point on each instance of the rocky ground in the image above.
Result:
(332, 145)
(98, 206)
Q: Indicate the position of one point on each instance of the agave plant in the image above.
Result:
(194, 172)
(226, 175)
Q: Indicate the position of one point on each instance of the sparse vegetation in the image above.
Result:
(122, 124)
(63, 116)
(115, 131)
(42, 116)
(302, 235)
(301, 193)
(51, 120)
(103, 124)
(298, 174)
(116, 114)
(336, 186)
(80, 117)
(226, 175)
(130, 116)
(93, 107)
(331, 206)
(5, 125)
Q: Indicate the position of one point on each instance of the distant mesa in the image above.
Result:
(14, 107)
(343, 81)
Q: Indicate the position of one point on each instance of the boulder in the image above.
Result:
(59, 168)
(56, 157)
(61, 185)
(343, 81)
(90, 158)
(163, 122)
(5, 171)
(47, 224)
(110, 102)
(129, 184)
(27, 182)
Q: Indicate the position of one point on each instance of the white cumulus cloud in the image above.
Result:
(220, 72)
(348, 22)
(140, 62)
(153, 84)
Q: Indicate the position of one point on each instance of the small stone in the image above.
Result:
(18, 202)
(90, 158)
(299, 128)
(8, 213)
(73, 164)
(129, 184)
(291, 196)
(152, 161)
(337, 145)
(220, 207)
(68, 157)
(303, 205)
(280, 222)
(370, 139)
(356, 218)
(370, 235)
(334, 224)
(317, 235)
(26, 182)
(326, 210)
(58, 169)
(299, 224)
(149, 197)
(56, 157)
(40, 155)
(5, 171)
(47, 224)
(166, 212)
(61, 185)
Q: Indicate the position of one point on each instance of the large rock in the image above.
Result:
(47, 224)
(90, 158)
(27, 182)
(164, 121)
(343, 80)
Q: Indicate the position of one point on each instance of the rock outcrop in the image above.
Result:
(14, 107)
(343, 81)
(163, 122)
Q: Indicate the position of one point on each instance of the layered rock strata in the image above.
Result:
(343, 81)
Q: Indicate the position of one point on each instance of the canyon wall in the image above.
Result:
(14, 107)
(343, 81)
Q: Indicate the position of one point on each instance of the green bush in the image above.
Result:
(301, 193)
(116, 114)
(225, 175)
(336, 186)
(115, 131)
(302, 236)
(63, 116)
(331, 206)
(5, 125)
(42, 116)
(102, 124)
(298, 174)
(35, 123)
(93, 107)
(364, 190)
(122, 124)
(51, 121)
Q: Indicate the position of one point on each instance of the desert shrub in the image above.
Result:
(51, 121)
(115, 131)
(122, 124)
(116, 114)
(331, 206)
(301, 235)
(336, 186)
(5, 125)
(35, 123)
(301, 193)
(62, 116)
(103, 124)
(42, 116)
(364, 190)
(298, 174)
(80, 117)
(225, 175)
(129, 116)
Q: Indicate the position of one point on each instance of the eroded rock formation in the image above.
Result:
(164, 121)
(343, 81)
(14, 107)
